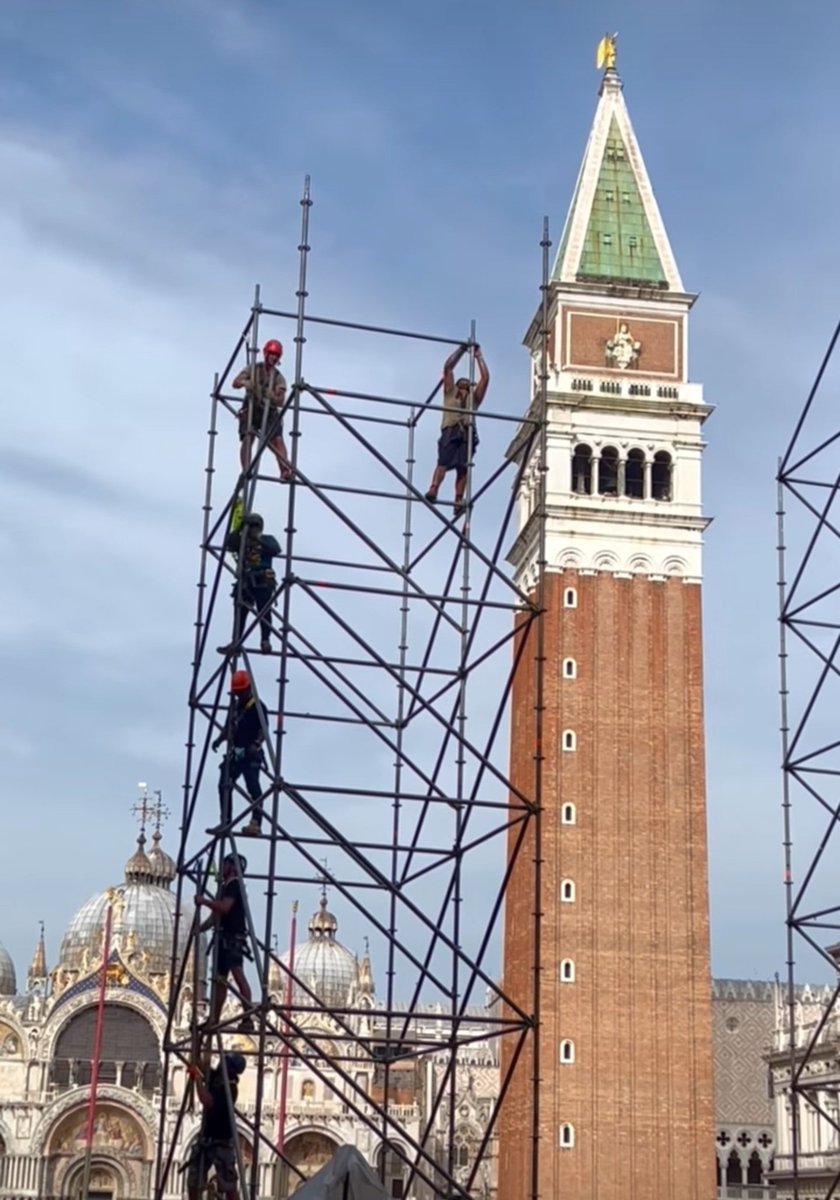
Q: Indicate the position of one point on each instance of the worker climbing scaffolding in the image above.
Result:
(329, 620)
(458, 437)
(230, 942)
(244, 733)
(256, 582)
(261, 414)
(214, 1149)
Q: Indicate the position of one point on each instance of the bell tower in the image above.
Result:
(625, 1043)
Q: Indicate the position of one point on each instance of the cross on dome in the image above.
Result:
(142, 808)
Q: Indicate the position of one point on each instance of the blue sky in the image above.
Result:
(152, 158)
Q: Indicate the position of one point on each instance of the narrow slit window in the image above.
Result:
(567, 1136)
(570, 598)
(567, 1051)
(567, 891)
(569, 740)
(567, 971)
(569, 668)
(569, 815)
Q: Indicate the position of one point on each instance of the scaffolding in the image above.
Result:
(394, 631)
(808, 481)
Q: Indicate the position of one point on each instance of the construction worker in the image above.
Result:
(257, 552)
(244, 733)
(227, 919)
(215, 1148)
(458, 437)
(262, 409)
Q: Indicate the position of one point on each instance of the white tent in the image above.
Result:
(345, 1177)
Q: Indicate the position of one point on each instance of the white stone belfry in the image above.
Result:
(624, 443)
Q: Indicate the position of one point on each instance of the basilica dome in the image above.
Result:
(142, 922)
(323, 964)
(8, 982)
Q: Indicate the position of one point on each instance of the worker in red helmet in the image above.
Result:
(262, 409)
(244, 733)
(458, 435)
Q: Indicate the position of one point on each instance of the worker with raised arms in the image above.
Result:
(458, 435)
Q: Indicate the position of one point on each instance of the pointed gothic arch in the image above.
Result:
(734, 1170)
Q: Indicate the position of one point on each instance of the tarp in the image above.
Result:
(345, 1177)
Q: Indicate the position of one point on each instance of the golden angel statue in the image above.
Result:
(605, 54)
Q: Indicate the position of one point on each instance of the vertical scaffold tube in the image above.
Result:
(539, 711)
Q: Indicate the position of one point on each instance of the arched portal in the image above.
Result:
(121, 1153)
(308, 1152)
(130, 1050)
(105, 1182)
(393, 1170)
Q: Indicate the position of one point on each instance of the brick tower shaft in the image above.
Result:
(625, 1039)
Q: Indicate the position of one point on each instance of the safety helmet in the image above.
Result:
(254, 519)
(273, 347)
(240, 681)
(243, 861)
(235, 1063)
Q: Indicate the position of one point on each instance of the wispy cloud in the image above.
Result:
(141, 203)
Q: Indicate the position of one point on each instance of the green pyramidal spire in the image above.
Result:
(614, 232)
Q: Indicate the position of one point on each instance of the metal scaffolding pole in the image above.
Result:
(808, 537)
(392, 764)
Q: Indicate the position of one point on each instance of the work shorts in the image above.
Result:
(454, 445)
(231, 954)
(273, 423)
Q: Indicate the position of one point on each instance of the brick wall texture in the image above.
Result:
(639, 1093)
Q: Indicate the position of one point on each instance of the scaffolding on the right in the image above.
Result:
(804, 1068)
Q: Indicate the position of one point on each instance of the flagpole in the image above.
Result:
(97, 1046)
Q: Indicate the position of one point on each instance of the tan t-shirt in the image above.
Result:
(455, 411)
(263, 383)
